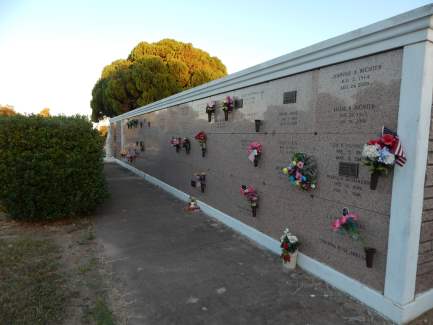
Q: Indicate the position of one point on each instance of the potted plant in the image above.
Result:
(251, 195)
(228, 106)
(381, 154)
(210, 109)
(348, 224)
(254, 152)
(202, 138)
(289, 249)
(302, 171)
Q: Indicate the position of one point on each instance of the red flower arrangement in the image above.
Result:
(201, 137)
(251, 195)
(381, 154)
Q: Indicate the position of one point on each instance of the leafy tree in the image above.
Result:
(151, 72)
(7, 110)
(45, 112)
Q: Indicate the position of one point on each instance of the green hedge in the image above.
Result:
(50, 167)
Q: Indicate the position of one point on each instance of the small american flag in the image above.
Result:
(397, 149)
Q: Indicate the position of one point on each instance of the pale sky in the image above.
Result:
(52, 51)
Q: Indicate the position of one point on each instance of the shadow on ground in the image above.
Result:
(174, 267)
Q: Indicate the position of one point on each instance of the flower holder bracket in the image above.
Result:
(257, 124)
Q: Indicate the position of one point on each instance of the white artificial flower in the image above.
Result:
(371, 151)
(292, 239)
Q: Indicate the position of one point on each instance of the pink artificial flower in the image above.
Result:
(300, 164)
(254, 146)
(298, 175)
(343, 219)
(336, 225)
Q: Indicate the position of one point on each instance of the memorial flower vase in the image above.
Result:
(257, 123)
(203, 151)
(369, 255)
(289, 262)
(202, 178)
(226, 115)
(209, 116)
(373, 180)
(177, 147)
(254, 208)
(256, 160)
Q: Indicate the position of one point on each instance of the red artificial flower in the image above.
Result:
(375, 141)
(388, 140)
(285, 246)
(201, 136)
(286, 258)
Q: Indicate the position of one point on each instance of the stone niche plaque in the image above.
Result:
(297, 114)
(359, 96)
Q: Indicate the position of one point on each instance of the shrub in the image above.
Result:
(50, 167)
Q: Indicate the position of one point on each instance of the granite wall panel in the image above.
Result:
(338, 108)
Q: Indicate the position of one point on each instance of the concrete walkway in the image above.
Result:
(183, 268)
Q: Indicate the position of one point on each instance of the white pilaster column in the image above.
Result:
(109, 142)
(122, 144)
(408, 184)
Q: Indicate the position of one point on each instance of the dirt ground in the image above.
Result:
(90, 296)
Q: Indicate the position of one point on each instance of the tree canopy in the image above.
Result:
(45, 112)
(7, 110)
(151, 72)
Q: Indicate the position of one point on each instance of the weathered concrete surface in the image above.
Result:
(182, 268)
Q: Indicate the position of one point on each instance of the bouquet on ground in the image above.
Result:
(192, 205)
(254, 152)
(228, 106)
(210, 109)
(381, 154)
(175, 142)
(348, 225)
(202, 138)
(302, 171)
(289, 249)
(251, 195)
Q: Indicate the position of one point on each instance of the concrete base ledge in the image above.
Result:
(370, 297)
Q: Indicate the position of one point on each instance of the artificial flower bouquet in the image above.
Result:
(302, 171)
(201, 137)
(175, 142)
(251, 195)
(254, 152)
(348, 225)
(289, 249)
(192, 205)
(186, 144)
(210, 109)
(381, 154)
(228, 105)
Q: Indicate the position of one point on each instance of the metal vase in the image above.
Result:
(369, 255)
